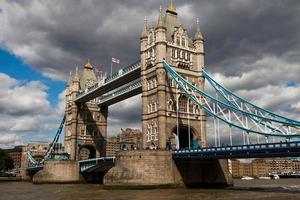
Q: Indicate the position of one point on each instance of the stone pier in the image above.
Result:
(58, 172)
(143, 168)
(156, 168)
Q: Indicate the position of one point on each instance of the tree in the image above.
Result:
(6, 161)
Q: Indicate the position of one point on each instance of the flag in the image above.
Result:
(115, 60)
(98, 70)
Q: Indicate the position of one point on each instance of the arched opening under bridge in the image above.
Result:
(185, 137)
(87, 152)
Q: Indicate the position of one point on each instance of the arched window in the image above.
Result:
(151, 84)
(151, 38)
(170, 105)
(182, 104)
(155, 83)
(178, 40)
(148, 106)
(183, 41)
(155, 106)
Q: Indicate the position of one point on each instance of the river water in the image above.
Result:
(282, 189)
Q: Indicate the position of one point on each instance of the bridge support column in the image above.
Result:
(143, 169)
(58, 172)
(204, 172)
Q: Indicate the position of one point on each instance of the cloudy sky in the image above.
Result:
(252, 47)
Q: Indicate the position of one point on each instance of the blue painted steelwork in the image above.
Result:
(136, 85)
(90, 163)
(226, 93)
(48, 155)
(190, 91)
(283, 149)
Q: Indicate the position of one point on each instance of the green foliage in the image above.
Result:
(6, 161)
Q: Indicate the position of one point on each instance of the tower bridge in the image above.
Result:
(170, 77)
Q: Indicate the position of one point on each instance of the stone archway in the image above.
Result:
(87, 152)
(185, 141)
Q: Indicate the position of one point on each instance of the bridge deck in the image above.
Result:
(285, 149)
(118, 79)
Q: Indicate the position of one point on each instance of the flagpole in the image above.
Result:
(111, 64)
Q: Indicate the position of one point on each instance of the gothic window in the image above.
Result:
(178, 40)
(148, 106)
(173, 53)
(148, 85)
(178, 53)
(151, 38)
(153, 53)
(185, 55)
(154, 83)
(82, 131)
(148, 133)
(183, 42)
(188, 56)
(182, 104)
(151, 84)
(170, 105)
(155, 106)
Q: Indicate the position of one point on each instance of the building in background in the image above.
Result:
(16, 155)
(128, 139)
(264, 167)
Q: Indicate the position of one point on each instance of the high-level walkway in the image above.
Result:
(122, 77)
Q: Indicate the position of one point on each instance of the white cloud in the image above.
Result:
(26, 111)
(10, 140)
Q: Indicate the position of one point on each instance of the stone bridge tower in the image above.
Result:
(86, 124)
(166, 112)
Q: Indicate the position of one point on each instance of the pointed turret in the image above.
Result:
(171, 8)
(198, 34)
(69, 82)
(160, 23)
(88, 65)
(145, 30)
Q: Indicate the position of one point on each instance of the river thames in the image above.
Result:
(243, 189)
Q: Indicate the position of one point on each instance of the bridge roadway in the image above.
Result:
(121, 78)
(267, 150)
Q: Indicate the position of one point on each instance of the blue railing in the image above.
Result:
(284, 149)
(87, 164)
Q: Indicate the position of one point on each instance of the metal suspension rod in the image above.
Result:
(215, 126)
(230, 133)
(189, 128)
(174, 74)
(177, 112)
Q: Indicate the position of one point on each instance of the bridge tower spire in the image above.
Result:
(169, 40)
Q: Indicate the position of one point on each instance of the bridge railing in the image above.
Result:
(113, 77)
(119, 92)
(87, 164)
(280, 145)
